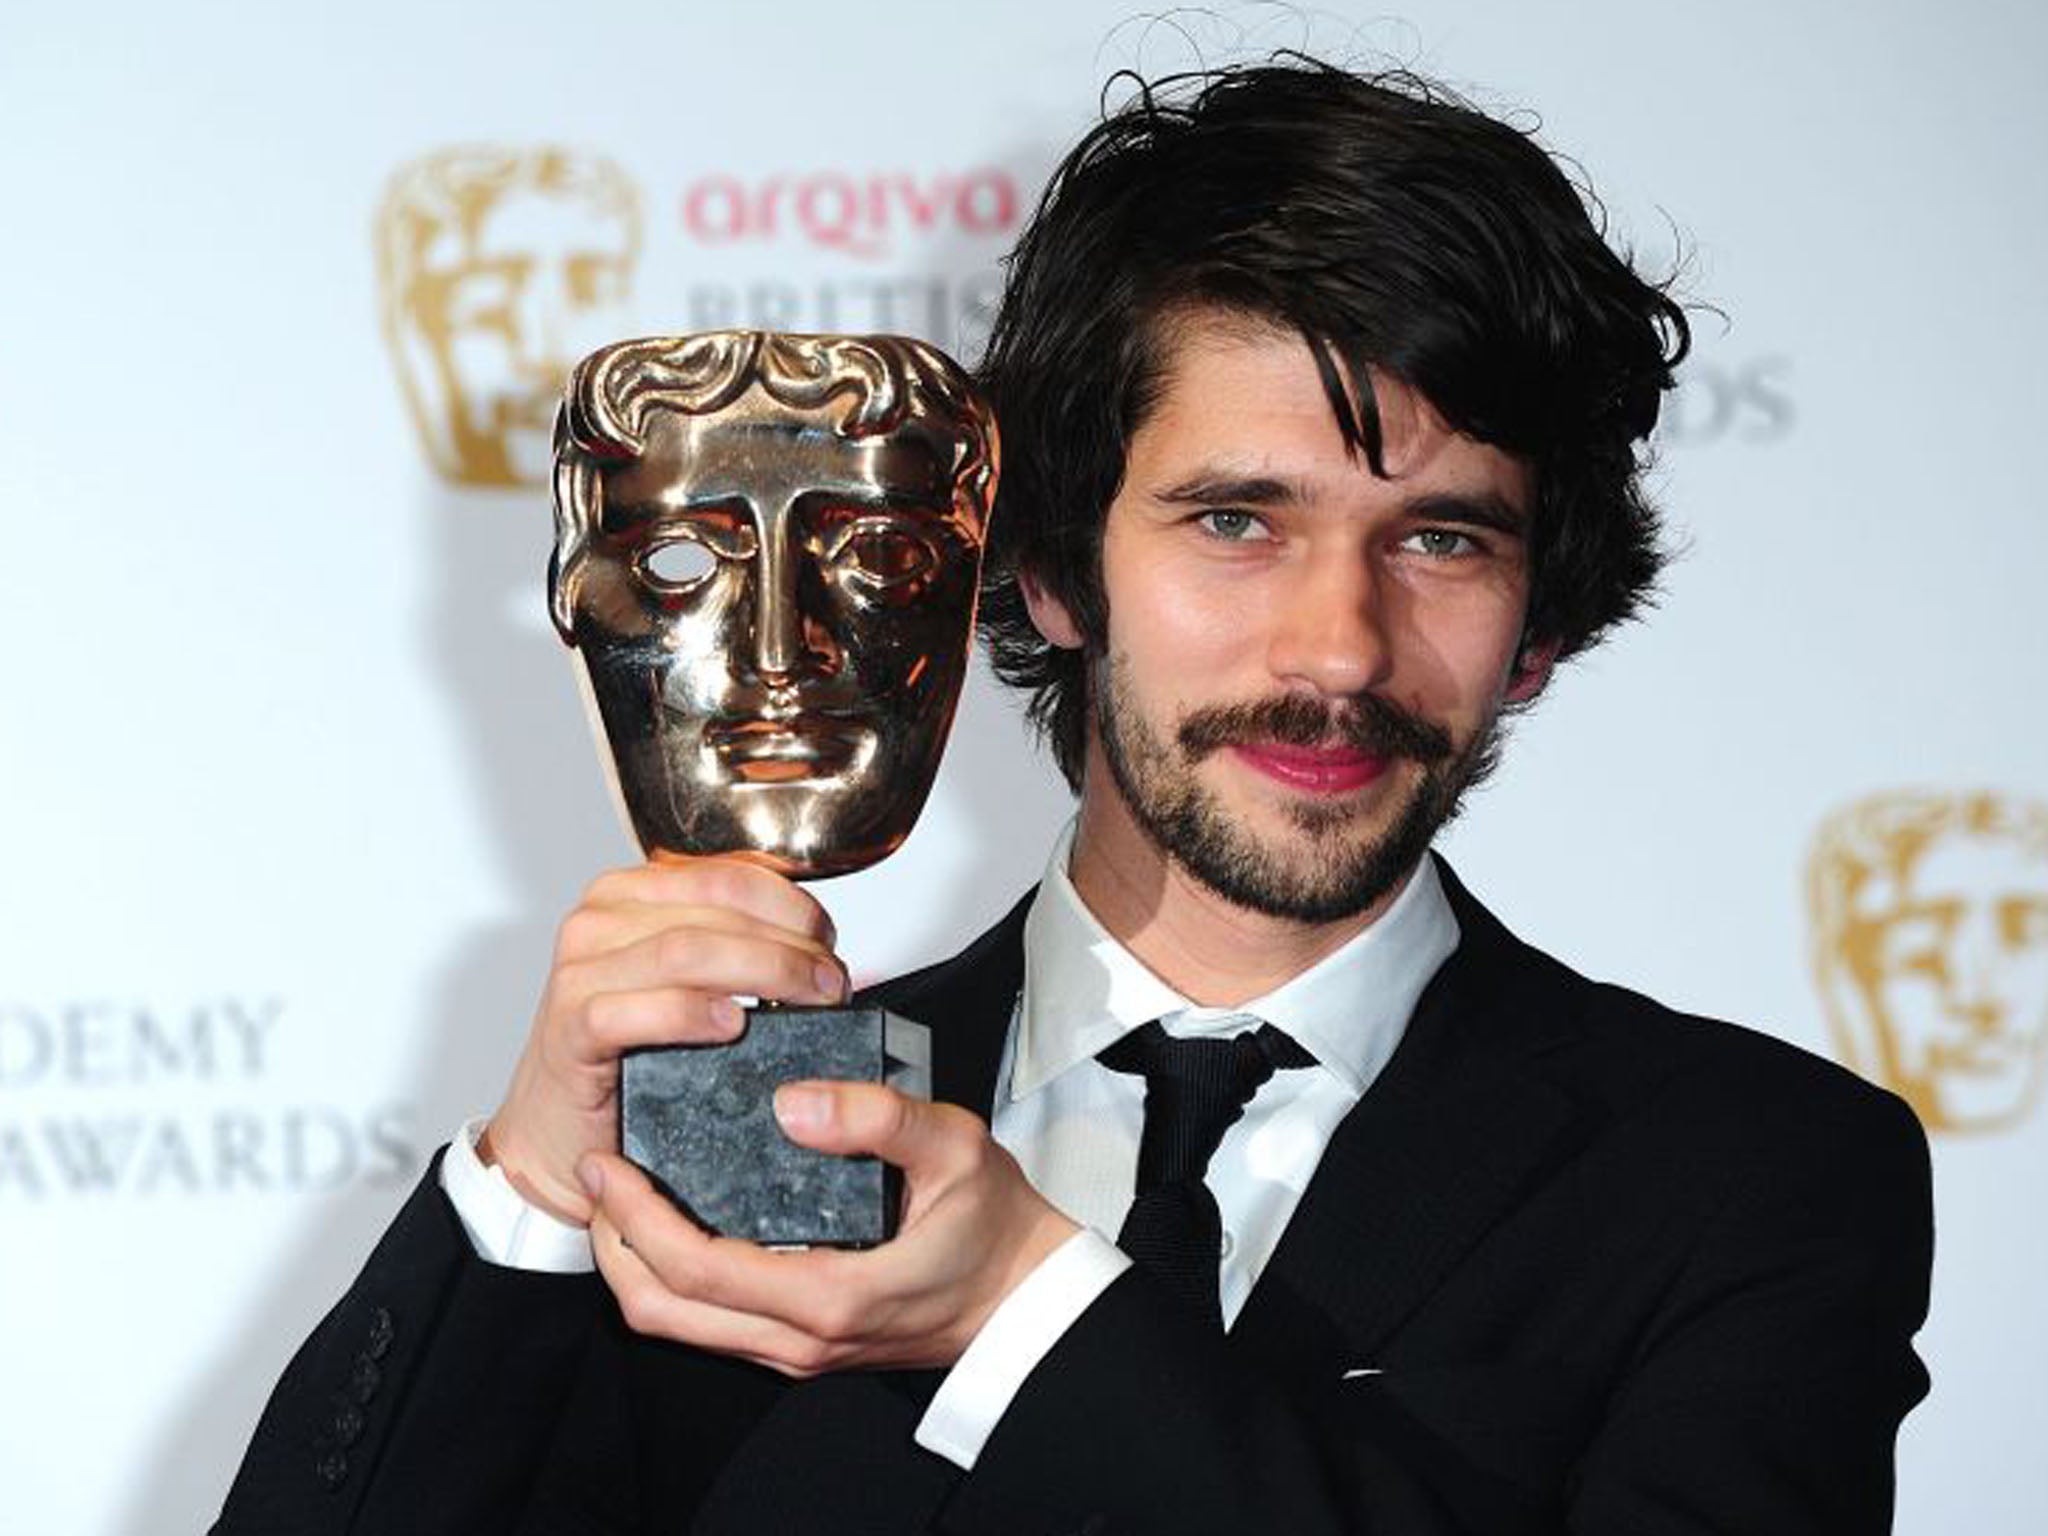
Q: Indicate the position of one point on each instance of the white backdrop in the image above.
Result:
(293, 781)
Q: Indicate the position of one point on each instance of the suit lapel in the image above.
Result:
(967, 1002)
(1456, 1127)
(1459, 1124)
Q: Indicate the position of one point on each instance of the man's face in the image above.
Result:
(1305, 661)
(1950, 964)
(500, 312)
(774, 620)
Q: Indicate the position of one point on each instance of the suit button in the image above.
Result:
(347, 1424)
(331, 1469)
(364, 1378)
(382, 1330)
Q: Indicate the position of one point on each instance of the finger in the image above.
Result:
(812, 1292)
(721, 881)
(919, 1137)
(614, 1022)
(650, 1307)
(760, 963)
(596, 929)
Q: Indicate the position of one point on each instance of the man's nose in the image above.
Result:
(1330, 627)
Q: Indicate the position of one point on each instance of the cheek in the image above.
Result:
(694, 689)
(477, 354)
(917, 650)
(1176, 617)
(1456, 652)
(1186, 624)
(1917, 1010)
(1176, 656)
(2019, 984)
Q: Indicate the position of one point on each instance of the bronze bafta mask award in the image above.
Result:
(767, 549)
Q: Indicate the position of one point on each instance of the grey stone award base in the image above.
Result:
(701, 1121)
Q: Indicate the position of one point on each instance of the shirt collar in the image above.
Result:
(1083, 990)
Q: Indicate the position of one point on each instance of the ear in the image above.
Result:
(1534, 663)
(1049, 615)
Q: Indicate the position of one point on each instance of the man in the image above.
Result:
(1321, 399)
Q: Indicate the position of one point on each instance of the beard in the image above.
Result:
(1334, 873)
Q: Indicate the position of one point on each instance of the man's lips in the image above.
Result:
(1334, 770)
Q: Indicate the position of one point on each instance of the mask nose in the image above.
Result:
(788, 643)
(1973, 985)
(1973, 998)
(539, 319)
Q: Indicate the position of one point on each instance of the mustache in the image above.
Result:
(1368, 723)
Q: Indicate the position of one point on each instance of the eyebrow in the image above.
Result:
(1483, 509)
(1210, 490)
(1480, 509)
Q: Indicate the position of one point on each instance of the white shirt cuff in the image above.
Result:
(1018, 1334)
(502, 1227)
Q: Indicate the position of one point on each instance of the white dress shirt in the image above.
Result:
(1074, 1125)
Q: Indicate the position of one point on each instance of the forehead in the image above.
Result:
(767, 455)
(525, 220)
(1244, 395)
(1975, 864)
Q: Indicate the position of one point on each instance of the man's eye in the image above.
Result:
(883, 556)
(1233, 526)
(1441, 543)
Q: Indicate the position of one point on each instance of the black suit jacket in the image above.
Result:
(1574, 1263)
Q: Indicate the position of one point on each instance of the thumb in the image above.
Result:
(863, 1117)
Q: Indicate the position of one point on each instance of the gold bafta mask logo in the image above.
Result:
(497, 270)
(1930, 943)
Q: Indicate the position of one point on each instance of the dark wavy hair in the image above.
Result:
(1390, 223)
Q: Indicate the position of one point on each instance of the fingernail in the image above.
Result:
(802, 1109)
(726, 1013)
(592, 1176)
(830, 982)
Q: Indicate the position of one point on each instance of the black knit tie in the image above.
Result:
(1194, 1092)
